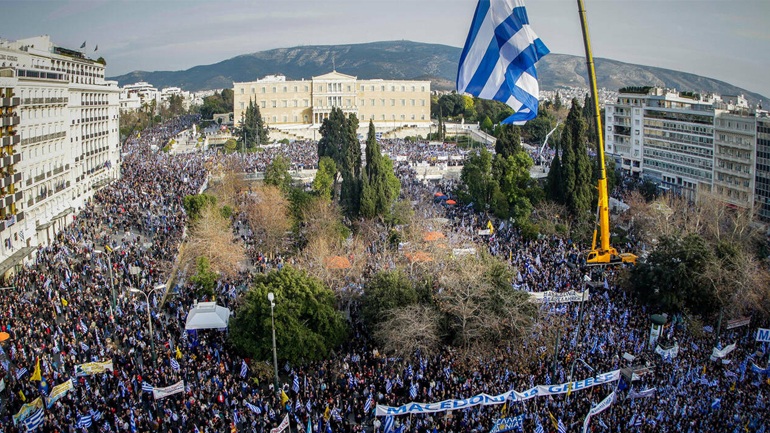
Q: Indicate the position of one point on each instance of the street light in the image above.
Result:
(271, 298)
(149, 317)
(112, 285)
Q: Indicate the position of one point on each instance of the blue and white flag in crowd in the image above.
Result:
(256, 409)
(716, 403)
(413, 390)
(146, 387)
(244, 368)
(84, 421)
(498, 61)
(368, 405)
(132, 423)
(388, 386)
(84, 347)
(34, 421)
(20, 373)
(174, 364)
(295, 385)
(561, 428)
(388, 424)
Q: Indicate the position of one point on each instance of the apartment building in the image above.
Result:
(60, 141)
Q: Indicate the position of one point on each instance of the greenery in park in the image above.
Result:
(385, 291)
(204, 278)
(252, 128)
(323, 183)
(381, 187)
(195, 203)
(339, 141)
(277, 173)
(508, 140)
(217, 103)
(231, 145)
(499, 184)
(307, 324)
(569, 179)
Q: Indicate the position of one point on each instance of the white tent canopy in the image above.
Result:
(207, 315)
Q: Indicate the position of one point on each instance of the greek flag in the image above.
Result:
(174, 364)
(20, 373)
(244, 368)
(498, 61)
(389, 424)
(561, 428)
(146, 387)
(368, 405)
(96, 415)
(295, 386)
(539, 428)
(255, 409)
(35, 421)
(236, 419)
(388, 386)
(84, 421)
(133, 423)
(413, 390)
(307, 406)
(84, 347)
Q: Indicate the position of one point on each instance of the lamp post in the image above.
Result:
(149, 318)
(271, 298)
(112, 284)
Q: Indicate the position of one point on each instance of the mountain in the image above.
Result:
(415, 60)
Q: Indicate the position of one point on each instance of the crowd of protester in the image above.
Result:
(59, 310)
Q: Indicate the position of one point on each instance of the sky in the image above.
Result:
(727, 40)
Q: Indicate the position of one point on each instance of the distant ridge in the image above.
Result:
(416, 60)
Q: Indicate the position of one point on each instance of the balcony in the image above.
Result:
(10, 102)
(11, 140)
(9, 160)
(9, 121)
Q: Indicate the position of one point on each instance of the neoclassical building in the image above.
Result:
(308, 102)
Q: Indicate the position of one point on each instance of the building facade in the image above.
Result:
(683, 141)
(60, 142)
(762, 174)
(308, 102)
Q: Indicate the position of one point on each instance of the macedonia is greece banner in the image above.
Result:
(282, 426)
(599, 408)
(90, 368)
(27, 410)
(671, 352)
(176, 388)
(486, 399)
(507, 424)
(717, 354)
(59, 391)
(559, 297)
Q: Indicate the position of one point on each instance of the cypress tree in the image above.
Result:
(508, 140)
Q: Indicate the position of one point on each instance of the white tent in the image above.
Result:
(207, 315)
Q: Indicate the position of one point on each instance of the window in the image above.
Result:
(275, 104)
(403, 102)
(285, 89)
(392, 102)
(241, 105)
(263, 104)
(372, 102)
(242, 90)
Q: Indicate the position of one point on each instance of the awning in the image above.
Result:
(207, 315)
(15, 259)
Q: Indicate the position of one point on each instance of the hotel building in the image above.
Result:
(60, 141)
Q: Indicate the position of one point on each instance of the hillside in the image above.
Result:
(415, 60)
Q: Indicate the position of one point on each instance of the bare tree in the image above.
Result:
(229, 184)
(211, 236)
(408, 329)
(267, 213)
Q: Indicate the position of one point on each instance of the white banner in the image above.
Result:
(559, 297)
(763, 334)
(486, 399)
(176, 388)
(716, 354)
(282, 426)
(671, 352)
(90, 368)
(599, 408)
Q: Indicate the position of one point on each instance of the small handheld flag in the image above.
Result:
(498, 61)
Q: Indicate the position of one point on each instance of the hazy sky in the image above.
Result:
(727, 39)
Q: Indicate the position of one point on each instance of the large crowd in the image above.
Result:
(59, 310)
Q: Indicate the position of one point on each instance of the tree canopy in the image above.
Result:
(380, 185)
(307, 324)
(252, 128)
(339, 141)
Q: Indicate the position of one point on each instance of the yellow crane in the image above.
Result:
(603, 253)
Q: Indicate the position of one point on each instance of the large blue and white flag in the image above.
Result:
(498, 61)
(34, 421)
